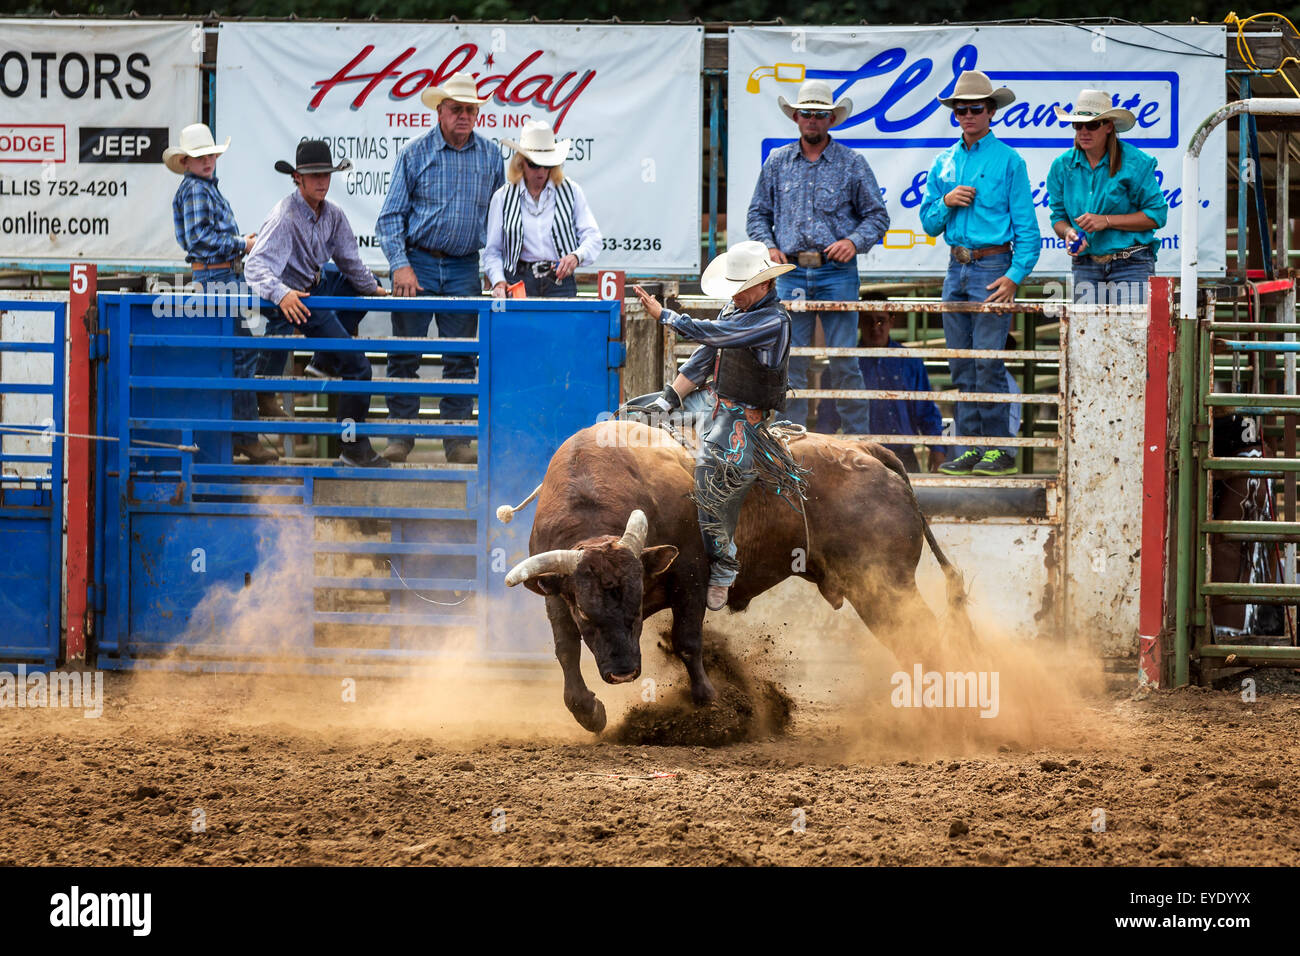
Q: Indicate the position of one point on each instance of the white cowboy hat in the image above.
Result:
(974, 85)
(816, 95)
(741, 267)
(196, 140)
(461, 87)
(1095, 105)
(538, 143)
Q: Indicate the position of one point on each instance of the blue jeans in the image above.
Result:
(458, 276)
(1118, 282)
(243, 405)
(328, 324)
(977, 330)
(834, 281)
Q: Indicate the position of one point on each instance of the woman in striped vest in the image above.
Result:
(539, 227)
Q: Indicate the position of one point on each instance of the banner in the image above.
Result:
(1170, 76)
(86, 110)
(629, 98)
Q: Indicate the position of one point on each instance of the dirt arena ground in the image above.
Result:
(185, 770)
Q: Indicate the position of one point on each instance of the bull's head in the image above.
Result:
(602, 581)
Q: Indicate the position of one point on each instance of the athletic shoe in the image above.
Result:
(374, 461)
(962, 465)
(996, 462)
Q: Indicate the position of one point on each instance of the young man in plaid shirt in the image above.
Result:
(206, 230)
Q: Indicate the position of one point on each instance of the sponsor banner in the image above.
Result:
(86, 110)
(1171, 77)
(628, 97)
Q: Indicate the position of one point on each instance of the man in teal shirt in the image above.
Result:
(977, 197)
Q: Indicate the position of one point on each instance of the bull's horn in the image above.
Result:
(637, 528)
(548, 562)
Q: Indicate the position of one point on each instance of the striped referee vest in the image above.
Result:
(563, 231)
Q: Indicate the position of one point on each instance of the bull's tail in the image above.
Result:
(506, 514)
(956, 582)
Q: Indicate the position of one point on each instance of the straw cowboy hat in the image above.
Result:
(313, 156)
(538, 143)
(816, 95)
(1095, 105)
(741, 267)
(973, 86)
(461, 88)
(196, 140)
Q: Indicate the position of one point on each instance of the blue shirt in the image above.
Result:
(1003, 209)
(439, 197)
(1076, 187)
(295, 242)
(204, 222)
(800, 206)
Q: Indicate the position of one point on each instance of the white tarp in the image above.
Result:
(86, 110)
(629, 97)
(1170, 76)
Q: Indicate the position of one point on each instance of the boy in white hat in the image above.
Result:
(206, 230)
(977, 197)
(748, 349)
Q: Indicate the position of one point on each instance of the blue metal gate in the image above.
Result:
(303, 565)
(31, 489)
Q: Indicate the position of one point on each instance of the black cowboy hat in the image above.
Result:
(313, 156)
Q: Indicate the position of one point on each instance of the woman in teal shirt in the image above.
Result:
(1104, 197)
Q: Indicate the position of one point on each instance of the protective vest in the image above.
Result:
(739, 375)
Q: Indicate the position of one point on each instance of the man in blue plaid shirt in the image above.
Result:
(206, 230)
(431, 228)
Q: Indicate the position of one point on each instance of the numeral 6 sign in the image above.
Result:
(611, 285)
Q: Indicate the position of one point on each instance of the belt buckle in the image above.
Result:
(962, 255)
(808, 260)
(541, 269)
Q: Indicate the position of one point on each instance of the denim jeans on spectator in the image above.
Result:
(545, 288)
(1118, 282)
(838, 282)
(243, 405)
(328, 324)
(451, 276)
(977, 330)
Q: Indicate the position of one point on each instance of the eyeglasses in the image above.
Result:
(530, 164)
(814, 114)
(974, 109)
(1092, 126)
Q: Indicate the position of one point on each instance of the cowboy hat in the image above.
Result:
(537, 142)
(741, 267)
(974, 85)
(460, 87)
(313, 156)
(1095, 105)
(196, 140)
(816, 95)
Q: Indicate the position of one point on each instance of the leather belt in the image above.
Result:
(210, 266)
(1112, 256)
(965, 256)
(540, 270)
(436, 253)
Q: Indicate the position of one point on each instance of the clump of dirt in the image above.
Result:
(748, 707)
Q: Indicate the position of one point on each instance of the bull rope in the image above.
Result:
(426, 600)
(40, 432)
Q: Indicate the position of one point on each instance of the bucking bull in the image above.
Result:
(616, 538)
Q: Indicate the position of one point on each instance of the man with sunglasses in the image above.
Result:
(977, 197)
(818, 207)
(431, 228)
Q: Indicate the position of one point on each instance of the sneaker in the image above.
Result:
(963, 465)
(374, 461)
(995, 462)
(716, 599)
(268, 406)
(257, 453)
(462, 455)
(398, 450)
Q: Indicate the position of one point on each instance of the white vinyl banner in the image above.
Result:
(1171, 77)
(86, 110)
(628, 97)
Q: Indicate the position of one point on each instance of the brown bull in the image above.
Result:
(616, 539)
